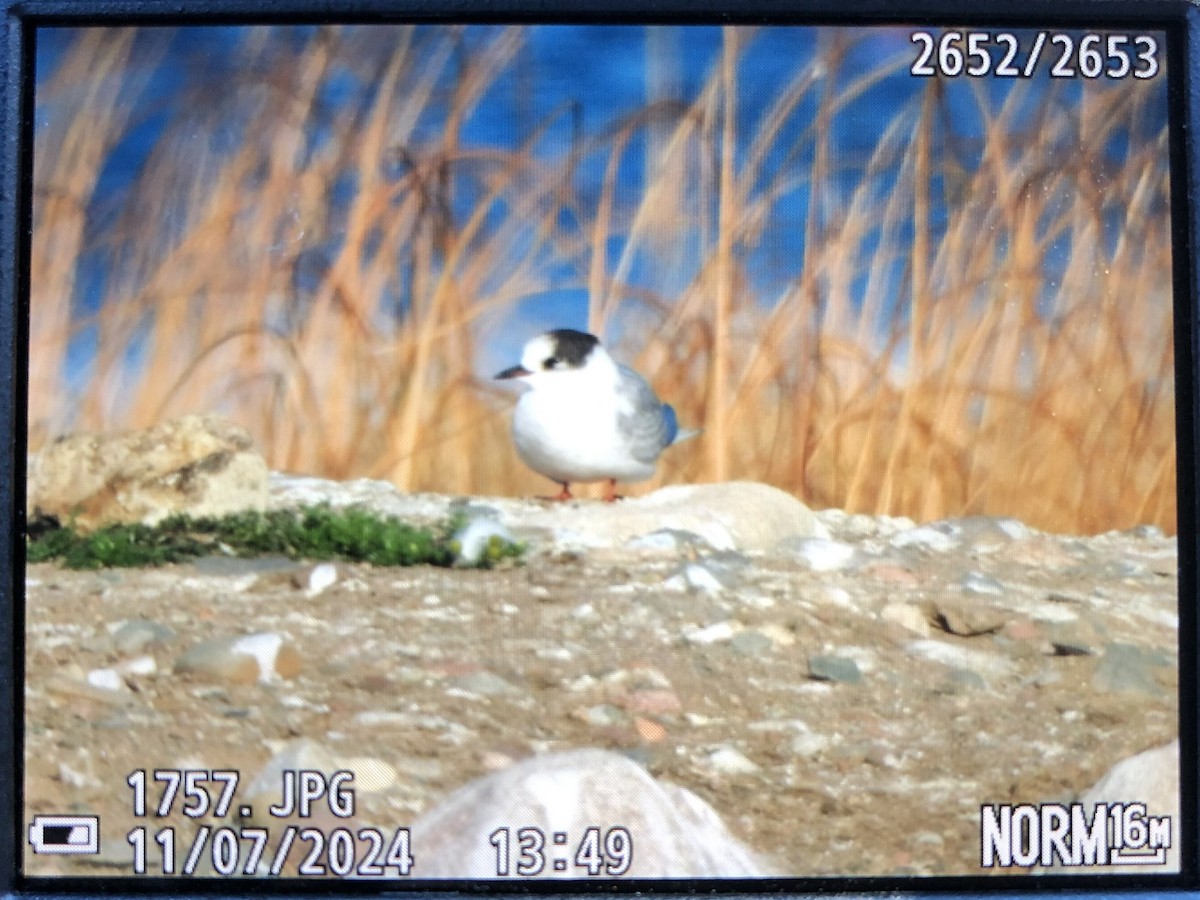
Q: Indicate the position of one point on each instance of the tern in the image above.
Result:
(586, 417)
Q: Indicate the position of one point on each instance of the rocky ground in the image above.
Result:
(844, 692)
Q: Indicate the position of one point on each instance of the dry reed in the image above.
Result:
(326, 274)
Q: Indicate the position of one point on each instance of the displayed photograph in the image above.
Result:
(462, 452)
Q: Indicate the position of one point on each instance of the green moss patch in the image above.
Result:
(310, 532)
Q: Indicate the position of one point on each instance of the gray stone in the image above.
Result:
(137, 634)
(674, 833)
(751, 642)
(834, 668)
(1127, 667)
(965, 678)
(485, 684)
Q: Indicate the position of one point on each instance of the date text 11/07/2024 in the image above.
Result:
(342, 852)
(1005, 55)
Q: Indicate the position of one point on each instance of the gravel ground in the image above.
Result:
(844, 705)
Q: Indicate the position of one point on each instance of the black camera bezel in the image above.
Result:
(21, 18)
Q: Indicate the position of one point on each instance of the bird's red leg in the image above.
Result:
(610, 495)
(565, 494)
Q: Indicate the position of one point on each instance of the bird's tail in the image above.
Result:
(675, 434)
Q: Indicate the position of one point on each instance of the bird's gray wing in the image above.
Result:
(641, 423)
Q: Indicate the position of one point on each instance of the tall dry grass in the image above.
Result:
(326, 274)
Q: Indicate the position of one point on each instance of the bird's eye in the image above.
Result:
(550, 362)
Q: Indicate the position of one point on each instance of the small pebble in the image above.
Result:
(485, 684)
(809, 745)
(713, 634)
(729, 761)
(979, 583)
(108, 679)
(834, 668)
(474, 537)
(907, 616)
(137, 634)
(928, 537)
(821, 555)
(751, 642)
(321, 578)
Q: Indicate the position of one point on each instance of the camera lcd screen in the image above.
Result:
(603, 451)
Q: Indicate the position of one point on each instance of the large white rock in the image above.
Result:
(198, 465)
(731, 515)
(1150, 777)
(674, 834)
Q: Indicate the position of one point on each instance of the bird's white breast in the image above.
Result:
(566, 429)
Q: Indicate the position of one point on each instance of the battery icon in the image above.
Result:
(65, 834)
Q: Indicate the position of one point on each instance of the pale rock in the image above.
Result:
(263, 657)
(960, 657)
(1150, 777)
(809, 744)
(84, 691)
(716, 633)
(820, 554)
(700, 578)
(667, 540)
(674, 833)
(735, 515)
(968, 618)
(322, 577)
(196, 465)
(139, 665)
(928, 537)
(979, 583)
(106, 679)
(267, 786)
(729, 761)
(371, 776)
(907, 616)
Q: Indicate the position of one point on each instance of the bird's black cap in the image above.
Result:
(573, 347)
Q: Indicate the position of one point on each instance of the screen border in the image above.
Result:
(1179, 19)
